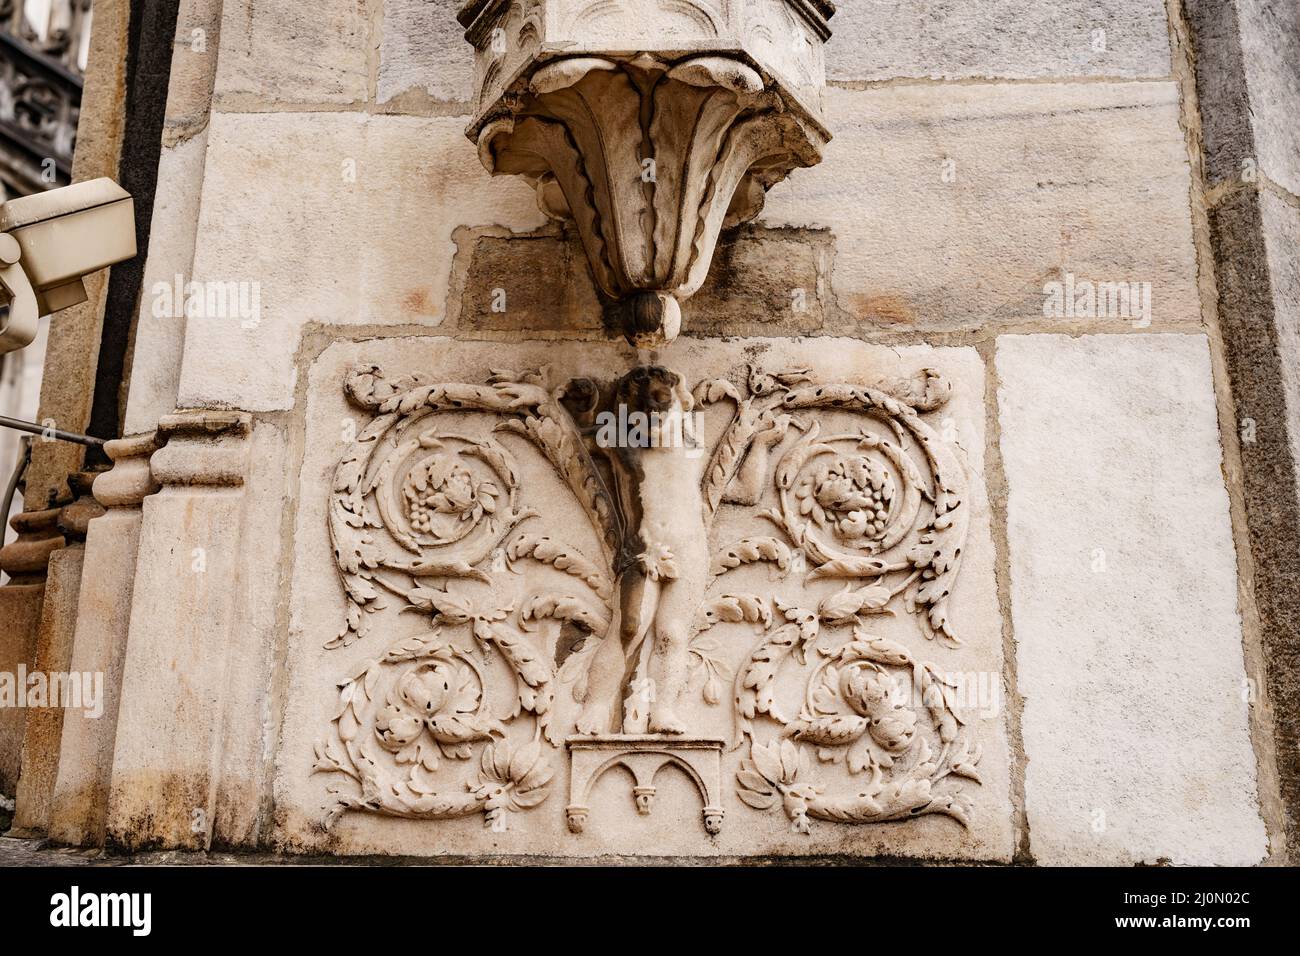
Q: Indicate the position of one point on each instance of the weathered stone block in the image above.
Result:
(957, 39)
(1280, 227)
(423, 49)
(21, 606)
(1221, 90)
(1124, 603)
(277, 55)
(537, 282)
(80, 799)
(954, 207)
(44, 725)
(1270, 43)
(339, 219)
(763, 281)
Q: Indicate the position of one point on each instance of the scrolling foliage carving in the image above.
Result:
(439, 509)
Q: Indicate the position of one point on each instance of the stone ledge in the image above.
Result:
(28, 852)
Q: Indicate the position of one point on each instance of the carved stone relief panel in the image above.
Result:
(741, 603)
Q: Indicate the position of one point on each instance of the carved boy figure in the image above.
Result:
(662, 565)
(657, 462)
(663, 561)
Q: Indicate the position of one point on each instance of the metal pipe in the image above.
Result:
(24, 459)
(49, 433)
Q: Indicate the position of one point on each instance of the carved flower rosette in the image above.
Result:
(835, 514)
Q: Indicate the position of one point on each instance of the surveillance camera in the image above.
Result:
(49, 242)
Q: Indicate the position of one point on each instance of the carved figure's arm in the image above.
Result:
(747, 487)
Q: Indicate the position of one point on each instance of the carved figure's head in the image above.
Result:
(652, 388)
(660, 397)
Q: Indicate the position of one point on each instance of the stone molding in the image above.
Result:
(131, 479)
(203, 448)
(38, 537)
(75, 517)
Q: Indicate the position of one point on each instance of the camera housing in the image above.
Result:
(50, 241)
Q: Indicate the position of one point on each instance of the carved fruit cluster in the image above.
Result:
(854, 495)
(873, 693)
(442, 486)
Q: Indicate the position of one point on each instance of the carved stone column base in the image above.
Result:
(167, 748)
(74, 690)
(25, 561)
(80, 797)
(644, 755)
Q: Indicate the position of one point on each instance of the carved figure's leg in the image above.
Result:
(670, 660)
(603, 677)
(612, 661)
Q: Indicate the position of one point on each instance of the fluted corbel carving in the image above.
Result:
(651, 153)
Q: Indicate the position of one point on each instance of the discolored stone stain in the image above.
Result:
(237, 813)
(159, 823)
(77, 815)
(881, 309)
(289, 827)
(416, 303)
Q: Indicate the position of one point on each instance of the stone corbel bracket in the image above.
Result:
(644, 756)
(651, 126)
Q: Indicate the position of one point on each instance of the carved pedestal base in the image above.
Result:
(644, 755)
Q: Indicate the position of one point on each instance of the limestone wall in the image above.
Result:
(982, 152)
